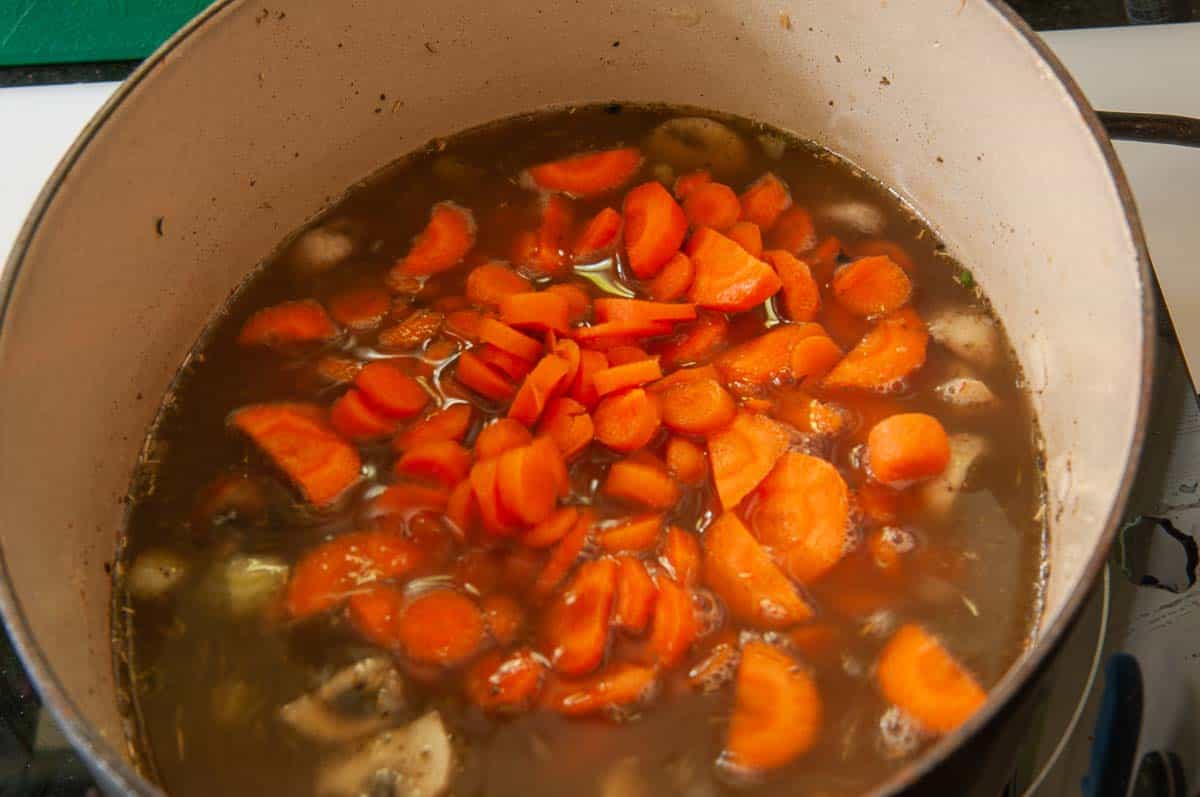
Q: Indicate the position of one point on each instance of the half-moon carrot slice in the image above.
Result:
(599, 235)
(577, 623)
(588, 174)
(728, 278)
(303, 321)
(620, 685)
(764, 201)
(444, 242)
(919, 675)
(636, 595)
(743, 453)
(333, 570)
(890, 351)
(741, 573)
(801, 296)
(871, 286)
(489, 283)
(674, 627)
(803, 515)
(655, 226)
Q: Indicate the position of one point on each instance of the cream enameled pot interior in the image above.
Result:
(251, 123)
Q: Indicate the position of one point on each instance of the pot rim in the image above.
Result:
(115, 773)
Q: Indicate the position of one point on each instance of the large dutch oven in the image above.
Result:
(252, 119)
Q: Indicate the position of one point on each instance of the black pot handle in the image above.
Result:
(1155, 128)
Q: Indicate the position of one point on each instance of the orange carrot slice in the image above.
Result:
(700, 407)
(577, 622)
(599, 234)
(542, 384)
(777, 713)
(579, 303)
(681, 553)
(462, 324)
(638, 310)
(583, 389)
(504, 337)
(444, 461)
(686, 462)
(512, 366)
(697, 341)
(415, 330)
(907, 447)
(488, 284)
(524, 485)
(303, 321)
(450, 423)
(747, 235)
(728, 278)
(687, 183)
(801, 296)
(655, 226)
(765, 200)
(636, 595)
(712, 205)
(443, 243)
(552, 529)
(626, 421)
(505, 683)
(674, 627)
(391, 391)
(618, 686)
(639, 533)
(890, 351)
(485, 380)
(462, 509)
(497, 519)
(741, 573)
(627, 375)
(538, 311)
(333, 570)
(766, 358)
(503, 617)
(568, 424)
(565, 554)
(874, 246)
(803, 514)
(360, 309)
(743, 453)
(919, 675)
(440, 626)
(673, 281)
(814, 356)
(547, 250)
(317, 461)
(353, 417)
(589, 174)
(716, 669)
(794, 231)
(872, 286)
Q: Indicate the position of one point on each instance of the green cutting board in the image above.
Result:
(71, 31)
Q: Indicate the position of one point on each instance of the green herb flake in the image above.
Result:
(965, 278)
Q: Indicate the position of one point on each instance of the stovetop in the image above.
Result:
(1122, 715)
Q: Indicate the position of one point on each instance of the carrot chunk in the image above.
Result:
(655, 226)
(542, 384)
(747, 235)
(505, 684)
(687, 183)
(686, 462)
(712, 205)
(801, 296)
(743, 453)
(443, 243)
(874, 246)
(503, 617)
(618, 686)
(697, 341)
(610, 309)
(391, 391)
(728, 278)
(674, 627)
(510, 365)
(740, 571)
(589, 174)
(504, 337)
(906, 448)
(673, 281)
(317, 461)
(462, 324)
(872, 286)
(777, 713)
(552, 529)
(414, 331)
(497, 519)
(547, 249)
(353, 417)
(681, 553)
(538, 311)
(579, 303)
(794, 231)
(814, 356)
(636, 595)
(766, 358)
(890, 351)
(443, 461)
(577, 622)
(716, 669)
(565, 554)
(583, 389)
(823, 258)
(524, 485)
(450, 423)
(441, 626)
(640, 482)
(764, 201)
(462, 509)
(700, 407)
(627, 375)
(803, 514)
(626, 421)
(568, 424)
(599, 235)
(337, 370)
(360, 309)
(333, 570)
(488, 284)
(485, 380)
(303, 321)
(919, 675)
(639, 533)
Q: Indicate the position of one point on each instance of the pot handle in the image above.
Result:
(1155, 128)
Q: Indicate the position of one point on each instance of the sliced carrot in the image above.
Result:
(801, 296)
(577, 623)
(765, 200)
(743, 453)
(353, 417)
(333, 570)
(716, 669)
(655, 226)
(317, 461)
(644, 483)
(484, 483)
(681, 553)
(610, 309)
(440, 626)
(569, 350)
(550, 252)
(823, 258)
(918, 674)
(697, 341)
(589, 174)
(890, 351)
(700, 407)
(686, 462)
(337, 370)
(728, 278)
(537, 311)
(444, 461)
(462, 509)
(550, 464)
(567, 422)
(814, 356)
(712, 205)
(747, 235)
(503, 617)
(794, 232)
(599, 235)
(505, 683)
(512, 366)
(674, 627)
(360, 309)
(579, 303)
(777, 712)
(615, 333)
(907, 447)
(687, 183)
(485, 380)
(462, 324)
(524, 485)
(303, 321)
(622, 355)
(766, 358)
(740, 571)
(489, 283)
(673, 281)
(638, 533)
(636, 595)
(583, 389)
(552, 529)
(874, 246)
(872, 286)
(845, 328)
(542, 384)
(621, 377)
(803, 515)
(443, 243)
(504, 337)
(414, 331)
(390, 390)
(565, 554)
(626, 421)
(809, 414)
(374, 612)
(618, 686)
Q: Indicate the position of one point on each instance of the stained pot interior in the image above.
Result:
(249, 126)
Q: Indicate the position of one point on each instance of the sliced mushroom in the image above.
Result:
(155, 573)
(321, 248)
(966, 392)
(327, 714)
(971, 335)
(252, 581)
(693, 142)
(414, 761)
(859, 216)
(940, 493)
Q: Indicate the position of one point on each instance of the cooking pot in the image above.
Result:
(253, 119)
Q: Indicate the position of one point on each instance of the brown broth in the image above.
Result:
(205, 687)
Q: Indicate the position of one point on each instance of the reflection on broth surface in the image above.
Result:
(772, 525)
